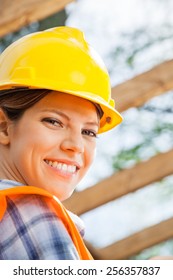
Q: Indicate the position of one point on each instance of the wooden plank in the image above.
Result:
(140, 89)
(121, 183)
(18, 13)
(137, 242)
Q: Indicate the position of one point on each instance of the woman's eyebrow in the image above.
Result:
(56, 112)
(93, 123)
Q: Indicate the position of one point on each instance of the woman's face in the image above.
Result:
(53, 144)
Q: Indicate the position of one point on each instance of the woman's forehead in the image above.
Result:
(64, 100)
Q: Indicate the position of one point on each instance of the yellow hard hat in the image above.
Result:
(60, 59)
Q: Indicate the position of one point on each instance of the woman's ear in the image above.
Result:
(4, 127)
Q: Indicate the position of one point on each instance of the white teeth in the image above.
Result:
(62, 166)
(73, 168)
(59, 166)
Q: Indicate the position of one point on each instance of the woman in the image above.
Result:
(54, 100)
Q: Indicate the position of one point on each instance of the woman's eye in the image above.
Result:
(53, 122)
(90, 133)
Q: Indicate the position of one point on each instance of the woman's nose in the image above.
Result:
(73, 142)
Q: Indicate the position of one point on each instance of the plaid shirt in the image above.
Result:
(29, 230)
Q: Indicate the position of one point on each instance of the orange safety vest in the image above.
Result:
(56, 206)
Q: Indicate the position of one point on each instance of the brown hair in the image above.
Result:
(15, 101)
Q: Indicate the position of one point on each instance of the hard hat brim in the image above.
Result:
(110, 119)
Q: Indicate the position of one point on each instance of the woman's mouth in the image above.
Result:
(63, 167)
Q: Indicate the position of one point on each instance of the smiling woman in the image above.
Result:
(52, 145)
(51, 111)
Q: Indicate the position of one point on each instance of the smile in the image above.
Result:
(67, 168)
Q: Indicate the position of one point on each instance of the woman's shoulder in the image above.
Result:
(6, 184)
(34, 230)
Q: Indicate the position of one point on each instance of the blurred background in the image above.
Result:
(133, 37)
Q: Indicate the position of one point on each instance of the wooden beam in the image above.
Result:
(121, 183)
(137, 242)
(18, 13)
(140, 89)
